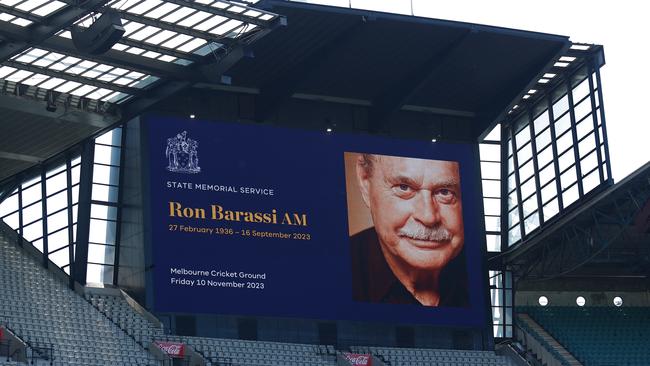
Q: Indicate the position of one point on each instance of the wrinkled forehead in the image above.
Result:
(420, 170)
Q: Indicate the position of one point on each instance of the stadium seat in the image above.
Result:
(598, 336)
(44, 312)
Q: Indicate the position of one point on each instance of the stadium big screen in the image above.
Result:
(266, 221)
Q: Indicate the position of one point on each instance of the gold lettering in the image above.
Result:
(177, 210)
(229, 216)
(298, 220)
(217, 212)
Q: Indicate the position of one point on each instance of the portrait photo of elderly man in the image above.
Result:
(406, 230)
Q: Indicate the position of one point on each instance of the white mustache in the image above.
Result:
(417, 231)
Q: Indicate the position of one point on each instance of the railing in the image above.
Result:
(41, 351)
(5, 350)
(19, 353)
(517, 353)
(534, 341)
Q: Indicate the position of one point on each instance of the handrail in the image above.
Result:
(526, 329)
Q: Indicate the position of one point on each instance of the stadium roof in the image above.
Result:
(607, 235)
(53, 95)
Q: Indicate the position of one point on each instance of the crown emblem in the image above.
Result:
(182, 154)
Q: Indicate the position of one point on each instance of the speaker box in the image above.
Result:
(100, 36)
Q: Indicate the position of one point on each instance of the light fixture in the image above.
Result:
(329, 124)
(434, 139)
(50, 105)
(192, 116)
(543, 300)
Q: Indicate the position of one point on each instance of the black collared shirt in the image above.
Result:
(374, 281)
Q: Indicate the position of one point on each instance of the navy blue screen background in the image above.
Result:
(306, 170)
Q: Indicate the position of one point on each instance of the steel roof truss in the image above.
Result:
(72, 77)
(38, 32)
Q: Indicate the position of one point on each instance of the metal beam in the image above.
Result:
(284, 85)
(603, 205)
(177, 28)
(513, 92)
(70, 229)
(38, 32)
(602, 230)
(21, 14)
(119, 206)
(228, 14)
(7, 188)
(162, 50)
(70, 115)
(71, 77)
(83, 212)
(126, 60)
(20, 157)
(217, 11)
(389, 101)
(438, 111)
(44, 221)
(167, 88)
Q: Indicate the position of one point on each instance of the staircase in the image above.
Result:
(565, 357)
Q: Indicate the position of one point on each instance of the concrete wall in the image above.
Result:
(131, 276)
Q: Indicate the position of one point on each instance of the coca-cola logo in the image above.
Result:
(173, 349)
(357, 359)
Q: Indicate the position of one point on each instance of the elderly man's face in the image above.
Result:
(416, 209)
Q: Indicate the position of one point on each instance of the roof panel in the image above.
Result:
(48, 59)
(21, 22)
(9, 2)
(176, 41)
(30, 5)
(56, 71)
(194, 19)
(67, 87)
(138, 7)
(34, 79)
(143, 33)
(99, 93)
(161, 36)
(160, 11)
(52, 83)
(210, 23)
(179, 14)
(227, 28)
(192, 45)
(19, 75)
(48, 8)
(83, 90)
(6, 70)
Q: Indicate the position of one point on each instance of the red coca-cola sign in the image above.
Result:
(173, 349)
(358, 359)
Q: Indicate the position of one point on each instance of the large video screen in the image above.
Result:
(266, 221)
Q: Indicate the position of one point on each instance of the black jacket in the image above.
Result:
(373, 280)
